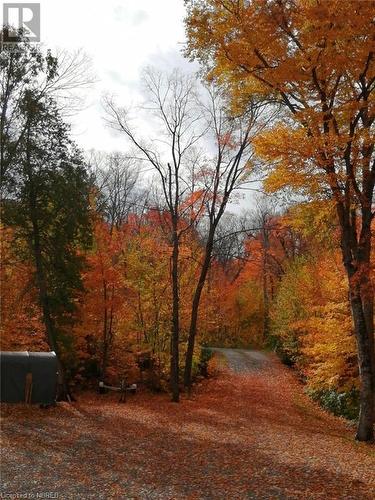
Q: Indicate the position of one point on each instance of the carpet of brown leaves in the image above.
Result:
(254, 436)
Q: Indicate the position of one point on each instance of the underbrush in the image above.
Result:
(156, 377)
(338, 402)
(341, 404)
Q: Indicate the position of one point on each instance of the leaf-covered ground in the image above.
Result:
(251, 434)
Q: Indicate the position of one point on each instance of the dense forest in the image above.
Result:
(242, 217)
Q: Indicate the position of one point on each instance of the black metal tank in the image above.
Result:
(28, 377)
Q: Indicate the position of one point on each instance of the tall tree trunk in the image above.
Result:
(175, 330)
(194, 312)
(367, 298)
(63, 392)
(266, 302)
(356, 258)
(63, 388)
(365, 349)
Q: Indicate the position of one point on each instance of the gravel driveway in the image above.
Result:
(248, 433)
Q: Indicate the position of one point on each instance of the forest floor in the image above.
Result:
(250, 433)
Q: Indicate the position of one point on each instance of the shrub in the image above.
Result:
(214, 367)
(205, 356)
(342, 404)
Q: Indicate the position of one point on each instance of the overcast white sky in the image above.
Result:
(121, 37)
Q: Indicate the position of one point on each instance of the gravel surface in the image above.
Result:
(249, 433)
(242, 360)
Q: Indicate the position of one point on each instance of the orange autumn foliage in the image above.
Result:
(21, 326)
(98, 334)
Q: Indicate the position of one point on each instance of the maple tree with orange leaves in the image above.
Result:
(316, 59)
